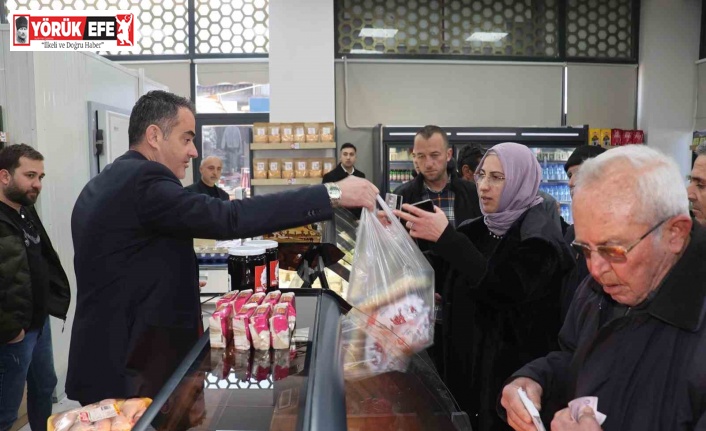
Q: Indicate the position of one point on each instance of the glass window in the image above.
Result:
(232, 145)
(232, 27)
(232, 87)
(599, 29)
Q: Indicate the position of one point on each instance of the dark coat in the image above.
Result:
(137, 311)
(646, 365)
(575, 277)
(338, 174)
(16, 305)
(498, 312)
(201, 187)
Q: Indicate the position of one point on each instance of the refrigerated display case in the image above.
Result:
(302, 388)
(394, 164)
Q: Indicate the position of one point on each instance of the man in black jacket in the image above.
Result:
(210, 169)
(33, 286)
(346, 166)
(635, 335)
(137, 308)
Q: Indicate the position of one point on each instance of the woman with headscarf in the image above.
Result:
(503, 275)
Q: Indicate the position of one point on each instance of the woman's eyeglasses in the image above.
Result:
(613, 253)
(494, 179)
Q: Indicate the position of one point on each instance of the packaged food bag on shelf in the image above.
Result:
(299, 132)
(301, 168)
(259, 131)
(279, 326)
(108, 415)
(273, 133)
(242, 339)
(392, 283)
(219, 324)
(260, 326)
(287, 169)
(227, 298)
(259, 169)
(329, 164)
(312, 132)
(287, 132)
(241, 299)
(273, 297)
(326, 132)
(288, 298)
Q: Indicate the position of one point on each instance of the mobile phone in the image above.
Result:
(426, 205)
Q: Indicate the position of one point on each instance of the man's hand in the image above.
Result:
(358, 193)
(587, 421)
(423, 224)
(517, 415)
(18, 338)
(202, 283)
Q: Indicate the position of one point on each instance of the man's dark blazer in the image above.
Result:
(201, 187)
(339, 173)
(137, 309)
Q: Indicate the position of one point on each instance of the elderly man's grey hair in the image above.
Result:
(659, 185)
(205, 159)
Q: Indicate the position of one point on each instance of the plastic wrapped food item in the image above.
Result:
(260, 327)
(257, 298)
(259, 131)
(288, 298)
(273, 297)
(287, 133)
(227, 298)
(241, 299)
(279, 326)
(220, 329)
(242, 339)
(108, 415)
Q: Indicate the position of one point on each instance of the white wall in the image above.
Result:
(174, 74)
(669, 47)
(16, 92)
(301, 60)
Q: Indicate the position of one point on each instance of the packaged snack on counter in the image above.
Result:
(227, 298)
(259, 132)
(315, 168)
(288, 169)
(261, 365)
(274, 169)
(108, 415)
(605, 138)
(260, 327)
(257, 298)
(241, 300)
(627, 137)
(616, 137)
(279, 326)
(242, 340)
(326, 132)
(273, 133)
(259, 167)
(329, 164)
(273, 297)
(288, 298)
(287, 133)
(220, 331)
(299, 132)
(312, 132)
(301, 168)
(638, 137)
(594, 136)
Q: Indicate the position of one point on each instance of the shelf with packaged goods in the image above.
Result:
(285, 182)
(294, 146)
(405, 163)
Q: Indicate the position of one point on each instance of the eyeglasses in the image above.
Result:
(613, 253)
(493, 179)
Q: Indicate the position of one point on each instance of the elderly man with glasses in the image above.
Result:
(635, 335)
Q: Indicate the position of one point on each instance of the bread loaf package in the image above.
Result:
(326, 132)
(288, 298)
(259, 132)
(279, 326)
(273, 133)
(274, 169)
(240, 300)
(256, 298)
(242, 339)
(301, 168)
(329, 164)
(219, 325)
(288, 169)
(259, 167)
(312, 132)
(260, 326)
(315, 168)
(299, 132)
(287, 132)
(273, 297)
(227, 298)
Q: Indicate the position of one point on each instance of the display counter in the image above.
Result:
(302, 388)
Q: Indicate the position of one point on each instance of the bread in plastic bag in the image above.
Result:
(392, 285)
(108, 415)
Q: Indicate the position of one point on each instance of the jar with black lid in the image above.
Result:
(271, 260)
(247, 269)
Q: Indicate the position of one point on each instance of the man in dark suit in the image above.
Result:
(138, 311)
(346, 167)
(210, 169)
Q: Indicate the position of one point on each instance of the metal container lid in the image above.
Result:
(268, 244)
(246, 251)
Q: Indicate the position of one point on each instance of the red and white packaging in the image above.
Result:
(227, 298)
(279, 326)
(273, 297)
(260, 327)
(410, 319)
(627, 137)
(219, 326)
(257, 298)
(638, 137)
(616, 137)
(288, 298)
(241, 327)
(281, 363)
(261, 365)
(241, 299)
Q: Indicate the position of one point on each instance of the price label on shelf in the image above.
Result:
(295, 146)
(292, 181)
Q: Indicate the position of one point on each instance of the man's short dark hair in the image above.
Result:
(10, 156)
(427, 132)
(156, 107)
(348, 145)
(470, 155)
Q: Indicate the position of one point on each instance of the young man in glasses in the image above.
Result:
(635, 334)
(33, 286)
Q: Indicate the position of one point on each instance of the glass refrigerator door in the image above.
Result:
(554, 179)
(400, 165)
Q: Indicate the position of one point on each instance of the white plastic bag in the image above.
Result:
(391, 283)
